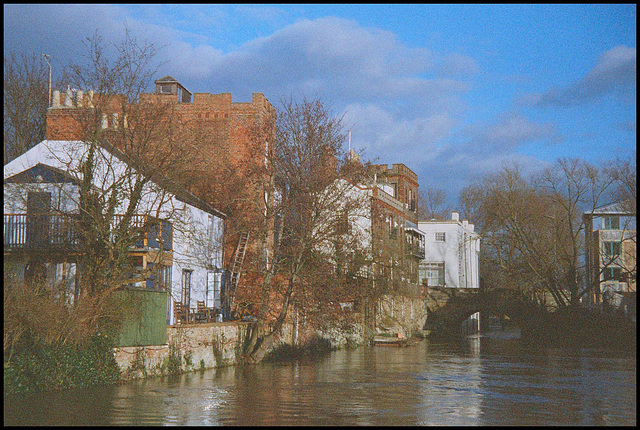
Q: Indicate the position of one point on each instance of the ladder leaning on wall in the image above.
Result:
(236, 267)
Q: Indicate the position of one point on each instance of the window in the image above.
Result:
(611, 223)
(342, 224)
(164, 283)
(432, 274)
(612, 249)
(612, 273)
(214, 290)
(186, 286)
(440, 237)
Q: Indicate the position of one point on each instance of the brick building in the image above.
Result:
(397, 242)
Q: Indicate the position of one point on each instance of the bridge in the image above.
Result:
(446, 320)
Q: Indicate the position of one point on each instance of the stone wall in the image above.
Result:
(189, 347)
(203, 346)
(401, 314)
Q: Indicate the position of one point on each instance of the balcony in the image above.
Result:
(416, 250)
(60, 232)
(40, 232)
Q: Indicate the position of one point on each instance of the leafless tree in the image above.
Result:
(125, 157)
(431, 204)
(533, 230)
(26, 99)
(308, 205)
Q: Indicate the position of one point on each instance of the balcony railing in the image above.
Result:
(40, 231)
(415, 250)
(60, 231)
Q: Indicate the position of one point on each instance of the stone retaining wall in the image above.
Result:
(203, 346)
(189, 347)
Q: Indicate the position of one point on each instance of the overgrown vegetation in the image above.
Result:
(42, 366)
(317, 347)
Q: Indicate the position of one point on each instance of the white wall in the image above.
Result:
(449, 252)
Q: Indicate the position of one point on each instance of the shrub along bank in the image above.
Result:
(44, 367)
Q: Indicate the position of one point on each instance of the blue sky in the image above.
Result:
(452, 91)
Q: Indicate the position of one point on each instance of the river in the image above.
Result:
(478, 381)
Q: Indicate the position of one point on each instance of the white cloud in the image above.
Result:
(615, 72)
(513, 130)
(458, 66)
(382, 133)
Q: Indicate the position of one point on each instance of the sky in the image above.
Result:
(454, 92)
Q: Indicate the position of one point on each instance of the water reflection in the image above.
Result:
(481, 381)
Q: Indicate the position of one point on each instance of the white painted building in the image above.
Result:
(451, 254)
(47, 177)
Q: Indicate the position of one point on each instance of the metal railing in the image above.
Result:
(415, 250)
(48, 231)
(40, 231)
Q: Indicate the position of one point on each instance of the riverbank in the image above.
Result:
(189, 348)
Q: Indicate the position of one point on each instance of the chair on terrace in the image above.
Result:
(181, 313)
(203, 312)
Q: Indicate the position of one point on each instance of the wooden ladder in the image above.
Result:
(236, 267)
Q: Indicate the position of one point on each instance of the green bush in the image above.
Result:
(44, 367)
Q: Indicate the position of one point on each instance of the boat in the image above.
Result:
(398, 340)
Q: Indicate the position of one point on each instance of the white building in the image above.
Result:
(46, 179)
(610, 258)
(450, 254)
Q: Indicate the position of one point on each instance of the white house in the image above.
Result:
(451, 254)
(187, 233)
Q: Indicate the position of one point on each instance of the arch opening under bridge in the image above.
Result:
(447, 320)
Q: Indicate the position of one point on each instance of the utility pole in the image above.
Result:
(46, 58)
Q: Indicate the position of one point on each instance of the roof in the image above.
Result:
(616, 208)
(29, 165)
(42, 173)
(166, 79)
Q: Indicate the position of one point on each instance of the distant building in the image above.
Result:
(610, 242)
(451, 253)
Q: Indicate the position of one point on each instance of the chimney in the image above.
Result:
(455, 216)
(79, 97)
(471, 227)
(68, 101)
(56, 98)
(465, 223)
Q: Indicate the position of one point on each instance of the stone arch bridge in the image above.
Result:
(446, 320)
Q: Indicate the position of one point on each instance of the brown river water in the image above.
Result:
(478, 381)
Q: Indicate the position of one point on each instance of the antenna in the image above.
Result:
(349, 141)
(46, 58)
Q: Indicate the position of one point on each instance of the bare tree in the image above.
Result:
(431, 204)
(533, 229)
(123, 153)
(307, 205)
(26, 99)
